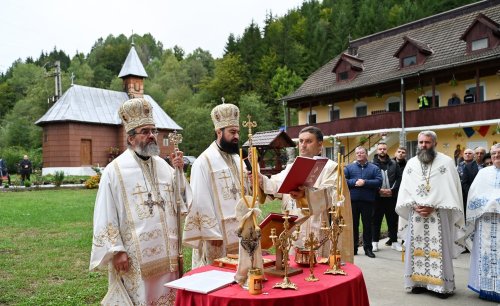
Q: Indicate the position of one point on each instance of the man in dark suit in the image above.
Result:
(26, 168)
(470, 172)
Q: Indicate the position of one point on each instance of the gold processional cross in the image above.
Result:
(175, 139)
(249, 124)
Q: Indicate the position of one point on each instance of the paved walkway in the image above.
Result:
(384, 281)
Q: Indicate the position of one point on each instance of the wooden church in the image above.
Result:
(83, 130)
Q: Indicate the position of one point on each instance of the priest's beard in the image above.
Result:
(229, 147)
(147, 149)
(426, 156)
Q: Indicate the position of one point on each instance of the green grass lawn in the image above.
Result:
(45, 243)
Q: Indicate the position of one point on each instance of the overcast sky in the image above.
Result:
(29, 26)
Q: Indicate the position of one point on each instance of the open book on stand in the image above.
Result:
(203, 282)
(304, 172)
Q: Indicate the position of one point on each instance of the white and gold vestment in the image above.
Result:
(211, 224)
(123, 222)
(431, 242)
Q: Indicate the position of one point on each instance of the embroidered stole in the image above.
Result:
(152, 236)
(427, 249)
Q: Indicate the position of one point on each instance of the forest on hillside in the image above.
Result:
(259, 66)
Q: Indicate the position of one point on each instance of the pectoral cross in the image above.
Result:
(150, 203)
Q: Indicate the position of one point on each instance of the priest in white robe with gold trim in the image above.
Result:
(135, 226)
(211, 223)
(316, 199)
(432, 219)
(483, 222)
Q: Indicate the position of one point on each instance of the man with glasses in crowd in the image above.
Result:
(135, 226)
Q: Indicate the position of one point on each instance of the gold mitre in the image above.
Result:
(135, 113)
(225, 114)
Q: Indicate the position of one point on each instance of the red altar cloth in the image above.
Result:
(334, 290)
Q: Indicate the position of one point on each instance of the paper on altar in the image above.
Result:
(203, 282)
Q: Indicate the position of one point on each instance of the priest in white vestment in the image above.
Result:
(135, 225)
(483, 228)
(211, 223)
(317, 198)
(432, 219)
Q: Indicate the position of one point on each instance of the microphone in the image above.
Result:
(246, 161)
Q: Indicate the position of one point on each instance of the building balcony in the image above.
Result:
(486, 110)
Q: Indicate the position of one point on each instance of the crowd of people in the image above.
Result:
(141, 199)
(25, 169)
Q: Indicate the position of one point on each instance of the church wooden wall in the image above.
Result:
(62, 143)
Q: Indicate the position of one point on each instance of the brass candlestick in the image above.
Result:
(284, 243)
(311, 243)
(333, 232)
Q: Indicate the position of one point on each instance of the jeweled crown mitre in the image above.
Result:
(225, 114)
(135, 113)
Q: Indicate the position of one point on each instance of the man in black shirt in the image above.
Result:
(387, 196)
(469, 97)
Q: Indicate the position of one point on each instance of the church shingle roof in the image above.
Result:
(99, 106)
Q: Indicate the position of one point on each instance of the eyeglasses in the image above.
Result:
(146, 132)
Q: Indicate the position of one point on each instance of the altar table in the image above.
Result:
(330, 290)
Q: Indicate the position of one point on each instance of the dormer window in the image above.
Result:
(347, 67)
(479, 44)
(412, 52)
(409, 61)
(483, 33)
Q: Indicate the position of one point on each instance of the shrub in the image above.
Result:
(58, 178)
(27, 183)
(93, 182)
